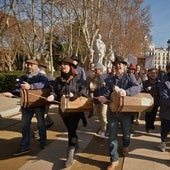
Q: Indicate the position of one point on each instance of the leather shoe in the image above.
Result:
(113, 165)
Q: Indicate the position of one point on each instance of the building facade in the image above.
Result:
(161, 57)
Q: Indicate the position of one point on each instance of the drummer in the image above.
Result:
(126, 86)
(33, 79)
(70, 85)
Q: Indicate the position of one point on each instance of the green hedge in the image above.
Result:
(8, 81)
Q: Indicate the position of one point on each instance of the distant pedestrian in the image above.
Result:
(100, 108)
(109, 71)
(90, 74)
(48, 120)
(132, 70)
(90, 70)
(80, 70)
(142, 73)
(161, 73)
(43, 69)
(151, 86)
(164, 94)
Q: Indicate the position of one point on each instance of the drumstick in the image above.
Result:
(98, 97)
(42, 97)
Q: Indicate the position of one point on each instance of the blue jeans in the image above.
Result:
(27, 115)
(113, 128)
(165, 128)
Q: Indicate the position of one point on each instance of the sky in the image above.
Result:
(160, 16)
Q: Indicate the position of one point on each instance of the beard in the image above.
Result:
(31, 74)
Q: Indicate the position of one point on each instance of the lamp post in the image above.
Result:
(168, 44)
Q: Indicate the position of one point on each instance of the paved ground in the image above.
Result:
(8, 106)
(93, 154)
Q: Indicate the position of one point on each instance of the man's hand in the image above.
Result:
(148, 88)
(8, 94)
(121, 93)
(74, 97)
(25, 85)
(101, 99)
(50, 98)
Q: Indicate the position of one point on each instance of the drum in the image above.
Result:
(34, 98)
(139, 103)
(81, 104)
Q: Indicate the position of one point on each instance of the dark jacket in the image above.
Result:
(154, 89)
(38, 81)
(81, 72)
(164, 94)
(100, 90)
(127, 82)
(62, 87)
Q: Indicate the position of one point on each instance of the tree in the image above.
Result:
(76, 24)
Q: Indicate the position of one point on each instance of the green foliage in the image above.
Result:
(57, 48)
(8, 81)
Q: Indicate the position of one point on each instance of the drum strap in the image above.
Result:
(24, 98)
(121, 104)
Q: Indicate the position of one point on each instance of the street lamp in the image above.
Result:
(168, 44)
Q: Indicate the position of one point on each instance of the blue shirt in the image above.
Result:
(127, 82)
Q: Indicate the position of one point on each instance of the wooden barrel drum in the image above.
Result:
(81, 104)
(34, 98)
(138, 103)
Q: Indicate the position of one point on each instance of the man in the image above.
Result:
(90, 74)
(90, 71)
(164, 93)
(33, 79)
(161, 73)
(132, 69)
(79, 69)
(42, 66)
(100, 108)
(151, 86)
(141, 73)
(125, 85)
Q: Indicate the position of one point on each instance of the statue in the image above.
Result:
(100, 50)
(110, 57)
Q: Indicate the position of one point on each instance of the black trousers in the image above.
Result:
(71, 122)
(150, 118)
(83, 118)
